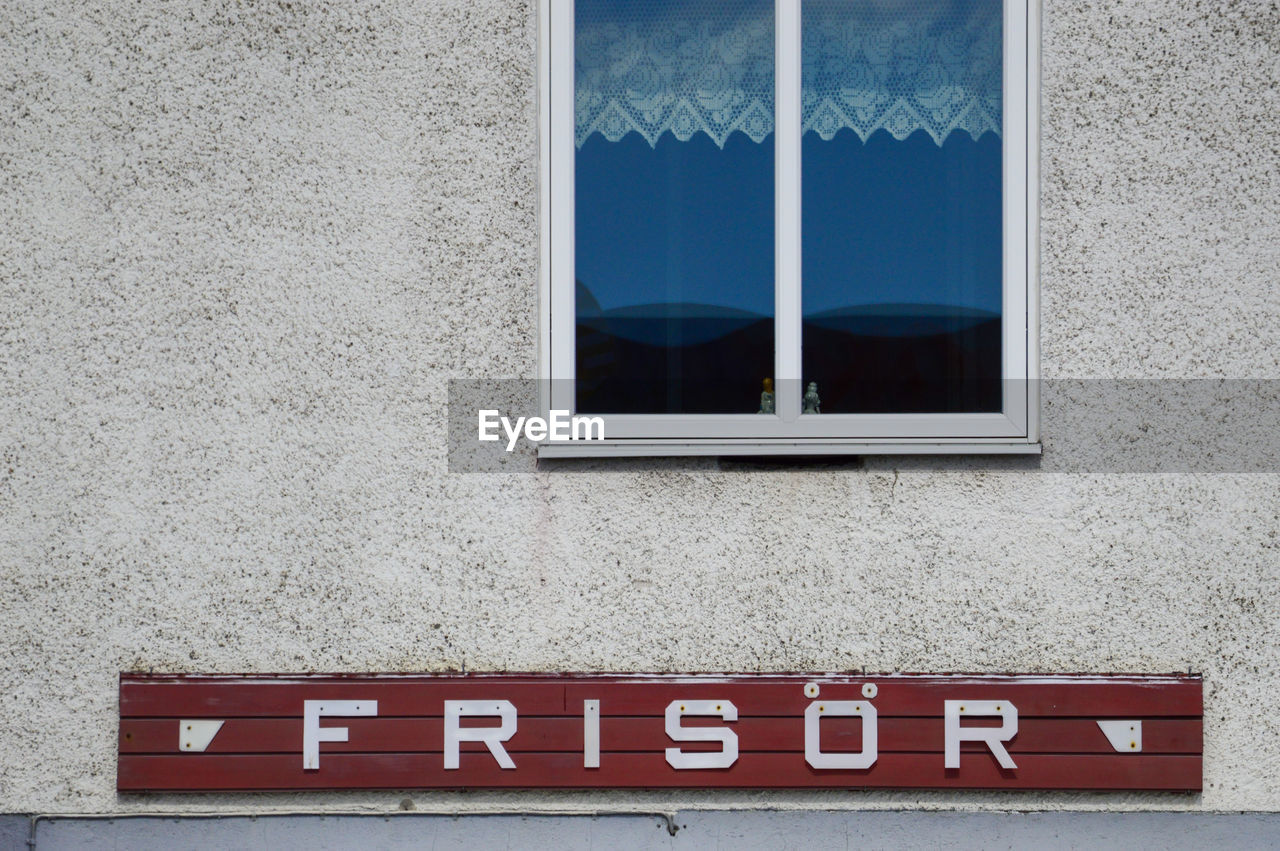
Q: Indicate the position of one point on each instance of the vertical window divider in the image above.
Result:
(787, 194)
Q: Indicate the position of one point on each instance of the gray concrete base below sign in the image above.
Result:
(689, 829)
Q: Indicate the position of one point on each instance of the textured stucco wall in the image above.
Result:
(246, 244)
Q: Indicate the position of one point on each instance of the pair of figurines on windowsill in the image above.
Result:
(769, 403)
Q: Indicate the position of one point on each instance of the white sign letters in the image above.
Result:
(493, 737)
(728, 739)
(848, 709)
(313, 734)
(993, 737)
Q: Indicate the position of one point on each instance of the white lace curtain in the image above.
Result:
(690, 66)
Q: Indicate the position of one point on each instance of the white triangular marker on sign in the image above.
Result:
(195, 736)
(1124, 736)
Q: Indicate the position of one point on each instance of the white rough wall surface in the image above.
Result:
(245, 245)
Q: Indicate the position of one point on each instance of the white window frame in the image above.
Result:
(1014, 430)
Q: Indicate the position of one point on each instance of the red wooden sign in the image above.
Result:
(206, 733)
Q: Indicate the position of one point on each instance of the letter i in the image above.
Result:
(590, 734)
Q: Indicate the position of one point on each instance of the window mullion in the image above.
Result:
(787, 215)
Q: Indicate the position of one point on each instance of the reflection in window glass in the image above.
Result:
(674, 205)
(902, 204)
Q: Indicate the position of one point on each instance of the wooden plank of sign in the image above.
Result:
(256, 698)
(901, 696)
(140, 773)
(898, 696)
(647, 735)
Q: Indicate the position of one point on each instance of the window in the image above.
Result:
(785, 226)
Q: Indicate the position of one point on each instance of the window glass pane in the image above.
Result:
(674, 205)
(902, 208)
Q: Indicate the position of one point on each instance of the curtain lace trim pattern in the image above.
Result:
(684, 68)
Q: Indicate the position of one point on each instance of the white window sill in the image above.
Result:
(675, 448)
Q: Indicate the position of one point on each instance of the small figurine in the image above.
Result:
(767, 403)
(812, 404)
